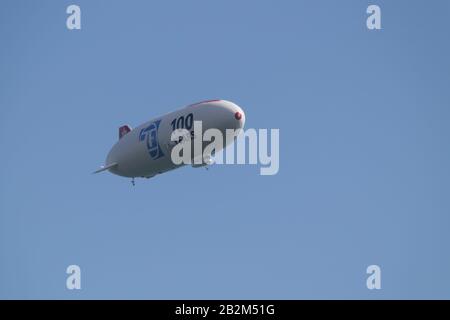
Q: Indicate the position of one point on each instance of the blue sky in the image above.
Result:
(364, 153)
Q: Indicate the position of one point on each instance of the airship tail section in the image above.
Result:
(107, 167)
(123, 130)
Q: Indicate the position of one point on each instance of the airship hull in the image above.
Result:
(146, 150)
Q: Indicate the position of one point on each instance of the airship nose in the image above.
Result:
(230, 115)
(239, 116)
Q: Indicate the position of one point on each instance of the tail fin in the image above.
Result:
(123, 130)
(107, 167)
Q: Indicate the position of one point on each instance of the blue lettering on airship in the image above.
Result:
(151, 133)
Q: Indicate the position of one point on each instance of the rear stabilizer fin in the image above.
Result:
(123, 130)
(107, 167)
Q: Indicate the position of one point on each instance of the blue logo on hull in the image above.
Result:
(151, 133)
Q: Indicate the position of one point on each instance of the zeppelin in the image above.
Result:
(145, 151)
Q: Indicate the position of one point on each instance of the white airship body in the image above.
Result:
(145, 151)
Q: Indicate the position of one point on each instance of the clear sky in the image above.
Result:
(364, 153)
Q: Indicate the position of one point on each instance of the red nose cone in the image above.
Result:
(238, 115)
